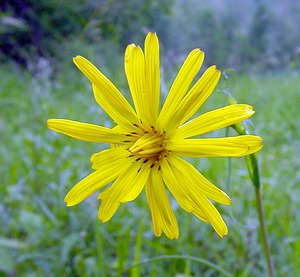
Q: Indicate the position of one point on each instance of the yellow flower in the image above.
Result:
(148, 142)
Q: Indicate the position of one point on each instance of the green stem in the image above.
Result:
(261, 217)
(253, 170)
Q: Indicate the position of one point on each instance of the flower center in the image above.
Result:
(151, 145)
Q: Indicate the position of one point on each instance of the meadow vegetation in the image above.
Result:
(40, 235)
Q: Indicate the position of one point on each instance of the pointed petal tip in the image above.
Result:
(248, 108)
(68, 200)
(151, 35)
(198, 52)
(48, 122)
(259, 142)
(78, 58)
(229, 201)
(213, 67)
(223, 235)
(81, 61)
(103, 220)
(157, 233)
(151, 39)
(226, 200)
(222, 232)
(172, 238)
(69, 203)
(51, 124)
(130, 46)
(104, 217)
(100, 217)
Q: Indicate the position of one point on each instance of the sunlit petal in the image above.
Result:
(195, 97)
(98, 160)
(175, 187)
(95, 181)
(215, 120)
(85, 131)
(132, 190)
(163, 217)
(216, 147)
(134, 64)
(111, 201)
(181, 85)
(106, 94)
(152, 76)
(198, 183)
(202, 207)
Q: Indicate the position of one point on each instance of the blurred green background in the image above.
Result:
(256, 43)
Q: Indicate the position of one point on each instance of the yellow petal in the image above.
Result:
(134, 64)
(175, 187)
(111, 201)
(214, 217)
(98, 160)
(152, 76)
(181, 85)
(95, 181)
(85, 131)
(198, 182)
(196, 96)
(132, 190)
(106, 94)
(216, 147)
(198, 213)
(104, 193)
(215, 120)
(163, 217)
(202, 207)
(107, 209)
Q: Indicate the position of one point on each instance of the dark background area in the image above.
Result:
(258, 35)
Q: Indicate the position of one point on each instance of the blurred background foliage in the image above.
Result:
(245, 35)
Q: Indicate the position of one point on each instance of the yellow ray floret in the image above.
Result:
(163, 217)
(214, 120)
(85, 131)
(106, 94)
(181, 84)
(216, 147)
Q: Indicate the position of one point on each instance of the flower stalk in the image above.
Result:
(253, 169)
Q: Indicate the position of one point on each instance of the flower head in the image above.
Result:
(149, 141)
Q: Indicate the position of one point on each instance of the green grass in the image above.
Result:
(40, 236)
